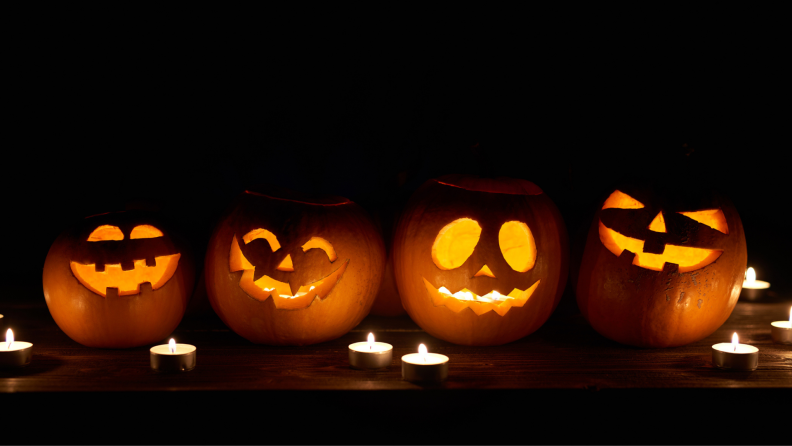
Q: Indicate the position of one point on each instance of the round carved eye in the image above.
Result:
(106, 232)
(517, 245)
(455, 243)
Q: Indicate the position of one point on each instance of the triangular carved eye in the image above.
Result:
(620, 200)
(713, 218)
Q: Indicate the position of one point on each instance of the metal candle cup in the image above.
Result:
(735, 356)
(19, 355)
(424, 366)
(14, 353)
(781, 332)
(180, 360)
(366, 356)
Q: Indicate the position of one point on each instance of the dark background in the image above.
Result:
(101, 122)
(93, 132)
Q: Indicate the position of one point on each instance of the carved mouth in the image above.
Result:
(281, 292)
(686, 257)
(492, 301)
(127, 282)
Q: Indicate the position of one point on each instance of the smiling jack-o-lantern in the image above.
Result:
(480, 261)
(661, 268)
(118, 280)
(287, 269)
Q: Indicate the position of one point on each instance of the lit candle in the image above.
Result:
(753, 289)
(781, 331)
(424, 366)
(735, 356)
(15, 353)
(370, 355)
(173, 357)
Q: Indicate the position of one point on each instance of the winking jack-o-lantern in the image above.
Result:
(287, 269)
(662, 267)
(118, 280)
(480, 261)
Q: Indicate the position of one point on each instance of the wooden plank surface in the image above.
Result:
(563, 384)
(564, 354)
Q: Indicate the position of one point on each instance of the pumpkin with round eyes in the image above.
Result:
(480, 261)
(287, 269)
(118, 280)
(661, 267)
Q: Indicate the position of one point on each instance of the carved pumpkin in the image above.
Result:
(118, 280)
(480, 261)
(285, 269)
(661, 267)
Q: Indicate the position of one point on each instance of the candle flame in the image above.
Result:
(750, 275)
(172, 346)
(9, 339)
(422, 351)
(735, 341)
(371, 341)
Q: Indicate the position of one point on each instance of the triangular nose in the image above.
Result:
(286, 264)
(658, 224)
(485, 271)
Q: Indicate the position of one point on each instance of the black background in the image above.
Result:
(98, 122)
(119, 126)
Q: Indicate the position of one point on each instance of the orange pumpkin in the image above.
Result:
(118, 280)
(287, 269)
(480, 261)
(661, 267)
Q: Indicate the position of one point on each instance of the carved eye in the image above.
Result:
(262, 233)
(455, 243)
(620, 200)
(106, 232)
(517, 245)
(713, 218)
(145, 231)
(318, 242)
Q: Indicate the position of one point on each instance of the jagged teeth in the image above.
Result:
(471, 296)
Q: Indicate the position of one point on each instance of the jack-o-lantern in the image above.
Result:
(118, 280)
(285, 269)
(480, 261)
(661, 267)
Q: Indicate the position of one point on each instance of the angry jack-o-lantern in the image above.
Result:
(661, 268)
(480, 261)
(118, 280)
(287, 269)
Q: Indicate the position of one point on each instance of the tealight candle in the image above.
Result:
(753, 289)
(370, 355)
(173, 357)
(781, 331)
(15, 353)
(424, 366)
(735, 356)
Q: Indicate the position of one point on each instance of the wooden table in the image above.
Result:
(564, 383)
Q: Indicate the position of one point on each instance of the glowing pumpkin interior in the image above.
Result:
(688, 258)
(455, 243)
(98, 278)
(281, 292)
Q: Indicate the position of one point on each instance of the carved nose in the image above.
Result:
(658, 224)
(286, 264)
(485, 271)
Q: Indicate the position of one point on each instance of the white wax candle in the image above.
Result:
(181, 349)
(424, 359)
(729, 347)
(751, 283)
(374, 347)
(782, 324)
(14, 353)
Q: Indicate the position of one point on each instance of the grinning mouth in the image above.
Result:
(492, 301)
(127, 282)
(687, 258)
(281, 292)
